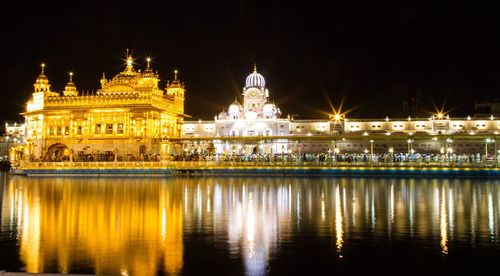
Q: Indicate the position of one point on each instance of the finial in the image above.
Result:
(175, 74)
(127, 53)
(43, 68)
(70, 76)
(103, 75)
(148, 60)
(255, 67)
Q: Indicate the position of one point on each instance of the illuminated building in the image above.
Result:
(126, 118)
(258, 121)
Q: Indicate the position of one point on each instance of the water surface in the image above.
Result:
(248, 225)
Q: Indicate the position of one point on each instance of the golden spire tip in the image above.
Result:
(175, 74)
(43, 68)
(255, 67)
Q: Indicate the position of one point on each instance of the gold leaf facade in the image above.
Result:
(124, 120)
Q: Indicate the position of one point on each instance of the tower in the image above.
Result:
(255, 93)
(176, 90)
(41, 91)
(70, 89)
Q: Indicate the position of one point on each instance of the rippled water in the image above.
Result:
(248, 225)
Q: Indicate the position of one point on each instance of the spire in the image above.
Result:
(43, 69)
(103, 75)
(130, 61)
(70, 89)
(175, 74)
(148, 60)
(255, 67)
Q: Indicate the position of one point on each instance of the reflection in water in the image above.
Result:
(443, 223)
(128, 226)
(338, 221)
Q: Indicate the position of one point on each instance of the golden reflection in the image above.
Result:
(130, 227)
(115, 226)
(338, 221)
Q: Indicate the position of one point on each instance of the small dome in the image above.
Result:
(269, 103)
(236, 103)
(235, 107)
(255, 79)
(223, 115)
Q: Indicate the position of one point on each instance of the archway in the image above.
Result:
(58, 152)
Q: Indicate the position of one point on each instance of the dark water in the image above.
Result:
(248, 225)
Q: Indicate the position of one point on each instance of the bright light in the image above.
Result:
(492, 118)
(365, 133)
(441, 150)
(387, 119)
(434, 138)
(391, 150)
(468, 118)
(337, 117)
(336, 150)
(440, 115)
(365, 151)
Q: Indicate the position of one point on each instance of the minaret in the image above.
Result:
(176, 89)
(42, 82)
(104, 81)
(41, 91)
(148, 79)
(130, 64)
(70, 89)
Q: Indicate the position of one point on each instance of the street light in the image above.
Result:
(410, 141)
(371, 150)
(487, 141)
(391, 151)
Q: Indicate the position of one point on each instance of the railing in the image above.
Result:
(237, 163)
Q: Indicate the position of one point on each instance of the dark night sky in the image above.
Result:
(373, 55)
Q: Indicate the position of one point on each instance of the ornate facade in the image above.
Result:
(125, 119)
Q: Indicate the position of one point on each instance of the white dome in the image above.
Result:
(255, 79)
(235, 107)
(223, 115)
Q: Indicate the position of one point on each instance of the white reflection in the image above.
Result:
(491, 215)
(338, 222)
(323, 215)
(443, 225)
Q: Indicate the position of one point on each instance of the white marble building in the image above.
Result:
(257, 116)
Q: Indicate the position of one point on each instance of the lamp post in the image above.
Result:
(391, 152)
(371, 151)
(486, 142)
(410, 148)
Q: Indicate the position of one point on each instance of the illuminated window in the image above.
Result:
(109, 128)
(79, 130)
(66, 131)
(59, 131)
(119, 128)
(97, 129)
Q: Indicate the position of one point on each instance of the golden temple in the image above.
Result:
(126, 119)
